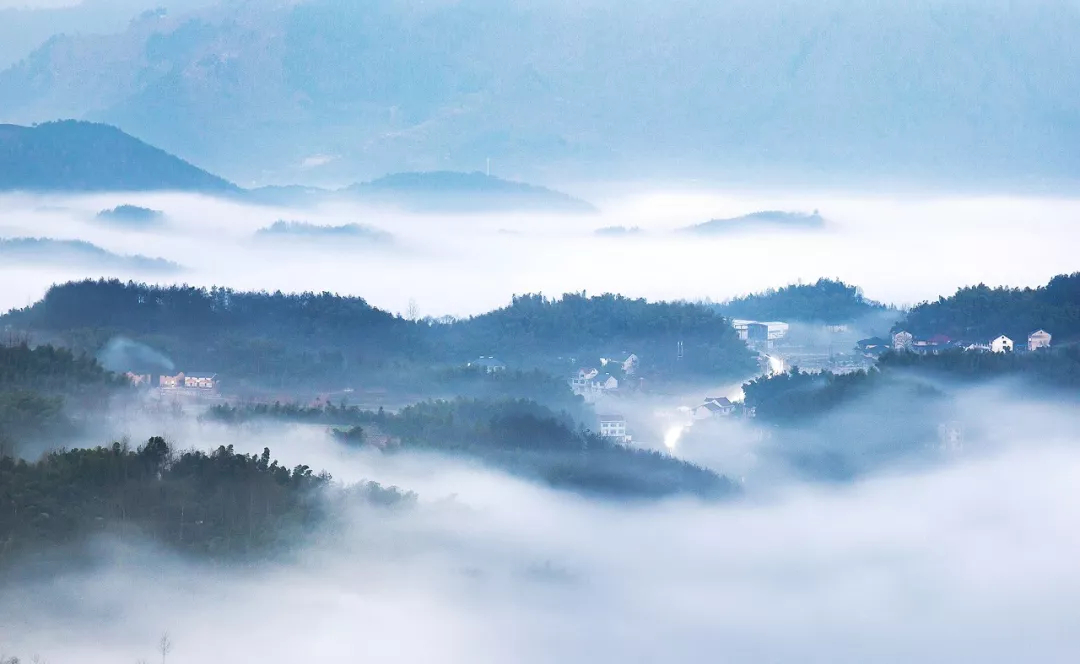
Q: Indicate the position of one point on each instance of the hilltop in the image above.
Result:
(453, 191)
(86, 156)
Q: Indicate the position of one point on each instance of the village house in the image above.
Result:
(590, 383)
(171, 382)
(1001, 344)
(628, 363)
(1038, 339)
(200, 381)
(714, 407)
(488, 364)
(189, 381)
(139, 380)
(613, 427)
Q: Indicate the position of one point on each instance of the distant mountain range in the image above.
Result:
(71, 156)
(83, 156)
(769, 219)
(76, 253)
(329, 91)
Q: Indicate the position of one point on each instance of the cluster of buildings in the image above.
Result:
(758, 333)
(592, 383)
(906, 342)
(199, 382)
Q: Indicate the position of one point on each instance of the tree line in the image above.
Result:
(980, 313)
(220, 504)
(307, 338)
(519, 436)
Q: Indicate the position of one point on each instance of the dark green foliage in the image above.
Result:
(518, 436)
(272, 338)
(980, 313)
(797, 395)
(1058, 367)
(577, 325)
(825, 301)
(35, 383)
(83, 156)
(352, 436)
(221, 504)
(284, 340)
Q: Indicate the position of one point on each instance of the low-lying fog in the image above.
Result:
(970, 560)
(899, 249)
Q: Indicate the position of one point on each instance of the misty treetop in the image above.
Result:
(221, 504)
(290, 339)
(824, 301)
(578, 325)
(518, 436)
(980, 313)
(35, 385)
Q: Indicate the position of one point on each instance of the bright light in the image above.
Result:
(671, 438)
(776, 365)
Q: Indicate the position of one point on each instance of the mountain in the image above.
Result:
(759, 221)
(83, 156)
(76, 253)
(447, 191)
(825, 301)
(323, 90)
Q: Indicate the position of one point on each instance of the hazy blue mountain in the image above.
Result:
(76, 253)
(755, 221)
(82, 156)
(959, 89)
(132, 216)
(452, 191)
(301, 230)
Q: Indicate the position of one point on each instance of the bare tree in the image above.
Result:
(164, 646)
(413, 312)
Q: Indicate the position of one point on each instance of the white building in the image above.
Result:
(1038, 339)
(613, 427)
(742, 328)
(590, 383)
(200, 381)
(1002, 344)
(714, 407)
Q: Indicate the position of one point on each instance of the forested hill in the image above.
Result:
(825, 301)
(576, 325)
(193, 502)
(38, 386)
(980, 313)
(85, 156)
(266, 337)
(323, 337)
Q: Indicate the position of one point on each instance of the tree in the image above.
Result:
(165, 646)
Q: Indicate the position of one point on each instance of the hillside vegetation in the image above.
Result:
(980, 313)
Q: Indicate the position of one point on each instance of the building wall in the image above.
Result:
(1037, 341)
